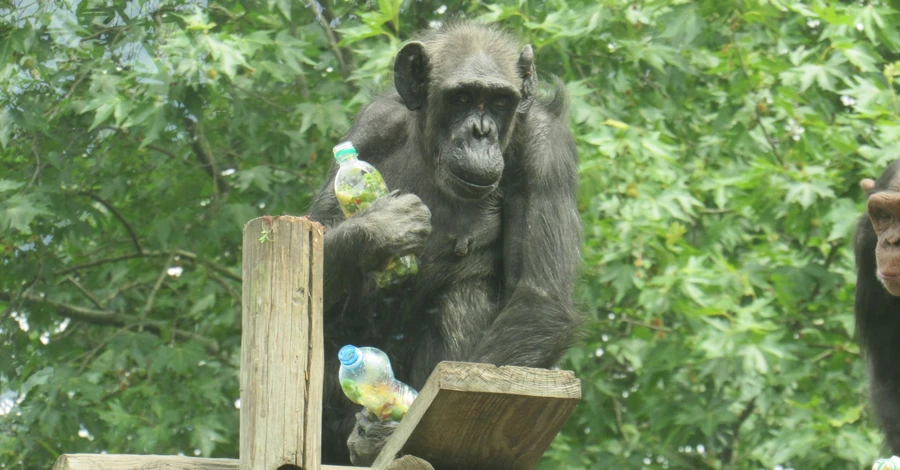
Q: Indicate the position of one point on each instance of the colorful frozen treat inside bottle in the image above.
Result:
(367, 379)
(356, 185)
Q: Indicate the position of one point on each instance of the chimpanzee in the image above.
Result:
(877, 247)
(485, 177)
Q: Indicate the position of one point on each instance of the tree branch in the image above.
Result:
(163, 151)
(150, 298)
(199, 144)
(728, 453)
(110, 318)
(84, 291)
(322, 16)
(118, 291)
(37, 164)
(228, 273)
(108, 205)
(740, 57)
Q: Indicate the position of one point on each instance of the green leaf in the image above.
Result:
(10, 185)
(18, 211)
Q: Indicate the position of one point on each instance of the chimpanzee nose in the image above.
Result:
(481, 128)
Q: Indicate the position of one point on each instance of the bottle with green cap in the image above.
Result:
(368, 380)
(356, 185)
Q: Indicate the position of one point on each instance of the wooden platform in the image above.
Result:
(479, 416)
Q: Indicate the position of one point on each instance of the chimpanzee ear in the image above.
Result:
(411, 68)
(529, 79)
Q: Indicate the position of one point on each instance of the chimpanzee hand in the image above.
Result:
(368, 437)
(393, 225)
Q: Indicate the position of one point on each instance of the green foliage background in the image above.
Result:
(721, 144)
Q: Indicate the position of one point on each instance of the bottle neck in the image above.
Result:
(345, 158)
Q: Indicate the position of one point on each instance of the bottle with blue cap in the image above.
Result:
(356, 185)
(367, 379)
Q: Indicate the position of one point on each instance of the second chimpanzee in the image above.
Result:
(486, 175)
(877, 246)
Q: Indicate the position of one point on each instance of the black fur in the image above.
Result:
(495, 272)
(878, 324)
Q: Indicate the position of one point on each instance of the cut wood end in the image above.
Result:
(269, 220)
(524, 381)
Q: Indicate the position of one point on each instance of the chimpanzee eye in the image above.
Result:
(501, 102)
(463, 98)
(882, 214)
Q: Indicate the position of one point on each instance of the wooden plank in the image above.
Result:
(484, 417)
(153, 462)
(408, 462)
(282, 366)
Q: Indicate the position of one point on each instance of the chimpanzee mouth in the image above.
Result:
(467, 190)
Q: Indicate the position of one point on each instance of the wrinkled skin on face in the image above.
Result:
(884, 212)
(470, 99)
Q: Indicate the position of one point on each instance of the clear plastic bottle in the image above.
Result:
(356, 185)
(368, 380)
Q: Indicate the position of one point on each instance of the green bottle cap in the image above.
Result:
(344, 151)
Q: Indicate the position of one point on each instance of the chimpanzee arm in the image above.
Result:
(390, 226)
(541, 249)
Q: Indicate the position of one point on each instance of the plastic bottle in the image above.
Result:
(356, 185)
(368, 380)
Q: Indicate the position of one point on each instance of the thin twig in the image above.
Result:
(93, 351)
(829, 258)
(740, 57)
(52, 112)
(618, 408)
(715, 211)
(200, 146)
(109, 298)
(262, 98)
(37, 164)
(224, 285)
(162, 151)
(210, 264)
(320, 11)
(150, 298)
(94, 300)
(108, 205)
(729, 454)
(646, 325)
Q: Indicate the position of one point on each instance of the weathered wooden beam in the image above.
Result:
(131, 462)
(168, 462)
(483, 417)
(282, 363)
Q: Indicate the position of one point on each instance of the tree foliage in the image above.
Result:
(721, 144)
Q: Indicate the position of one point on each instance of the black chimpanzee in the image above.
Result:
(877, 247)
(485, 173)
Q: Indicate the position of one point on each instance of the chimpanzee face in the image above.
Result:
(474, 126)
(884, 211)
(468, 98)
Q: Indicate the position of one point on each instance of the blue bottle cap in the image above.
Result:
(350, 356)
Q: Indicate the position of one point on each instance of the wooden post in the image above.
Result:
(282, 363)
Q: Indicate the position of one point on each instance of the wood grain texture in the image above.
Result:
(484, 417)
(408, 462)
(282, 365)
(154, 462)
